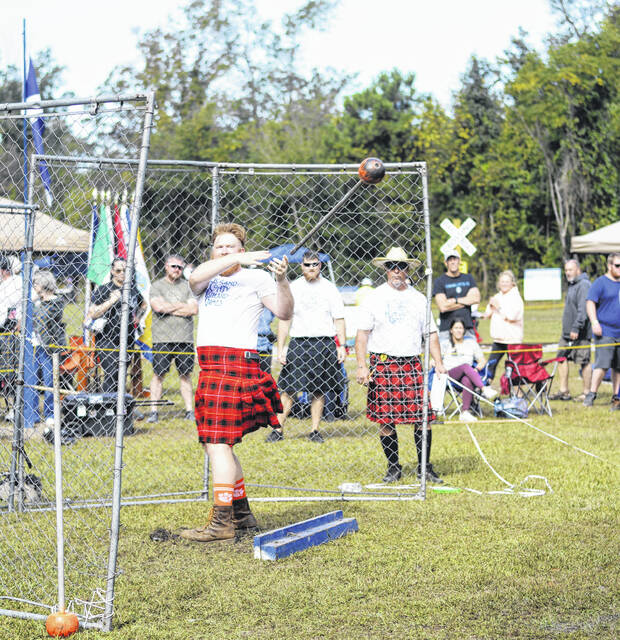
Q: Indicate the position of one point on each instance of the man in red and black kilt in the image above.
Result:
(391, 327)
(234, 396)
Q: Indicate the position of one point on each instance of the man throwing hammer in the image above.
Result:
(234, 397)
(391, 327)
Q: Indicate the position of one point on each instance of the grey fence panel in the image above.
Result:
(47, 270)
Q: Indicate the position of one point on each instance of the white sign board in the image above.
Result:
(458, 236)
(542, 284)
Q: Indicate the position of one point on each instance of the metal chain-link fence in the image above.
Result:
(47, 248)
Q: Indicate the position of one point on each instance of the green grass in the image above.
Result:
(458, 565)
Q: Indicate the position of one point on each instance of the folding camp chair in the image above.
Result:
(447, 401)
(526, 376)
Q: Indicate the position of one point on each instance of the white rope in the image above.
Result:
(525, 422)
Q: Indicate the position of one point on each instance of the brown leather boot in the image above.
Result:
(218, 527)
(243, 519)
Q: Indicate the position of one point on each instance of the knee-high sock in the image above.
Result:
(417, 434)
(390, 447)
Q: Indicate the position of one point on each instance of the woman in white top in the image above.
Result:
(459, 356)
(505, 309)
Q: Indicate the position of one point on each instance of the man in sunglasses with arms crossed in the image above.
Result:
(173, 306)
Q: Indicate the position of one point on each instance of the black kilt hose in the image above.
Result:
(396, 390)
(312, 366)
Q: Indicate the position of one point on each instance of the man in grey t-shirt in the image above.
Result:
(173, 306)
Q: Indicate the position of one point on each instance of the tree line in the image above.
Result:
(529, 148)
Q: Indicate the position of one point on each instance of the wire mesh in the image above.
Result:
(41, 305)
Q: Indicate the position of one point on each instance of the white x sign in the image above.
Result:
(458, 236)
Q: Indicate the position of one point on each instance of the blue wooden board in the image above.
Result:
(282, 542)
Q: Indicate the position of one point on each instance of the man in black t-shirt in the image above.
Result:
(106, 305)
(455, 293)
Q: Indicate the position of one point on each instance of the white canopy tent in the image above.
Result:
(50, 235)
(603, 240)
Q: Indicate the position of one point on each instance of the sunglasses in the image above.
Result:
(616, 265)
(311, 264)
(175, 266)
(401, 266)
(120, 270)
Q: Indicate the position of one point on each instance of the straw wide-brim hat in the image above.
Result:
(396, 254)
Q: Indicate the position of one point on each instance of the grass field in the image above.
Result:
(460, 565)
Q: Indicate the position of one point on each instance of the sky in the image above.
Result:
(434, 39)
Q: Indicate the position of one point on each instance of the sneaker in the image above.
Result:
(274, 436)
(615, 403)
(467, 416)
(560, 395)
(589, 399)
(315, 436)
(488, 392)
(189, 415)
(394, 473)
(153, 417)
(431, 476)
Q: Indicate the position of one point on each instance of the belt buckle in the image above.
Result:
(247, 355)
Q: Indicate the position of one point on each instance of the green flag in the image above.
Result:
(103, 250)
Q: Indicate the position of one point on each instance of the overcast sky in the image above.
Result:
(432, 38)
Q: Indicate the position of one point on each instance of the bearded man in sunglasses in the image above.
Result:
(312, 361)
(391, 327)
(174, 307)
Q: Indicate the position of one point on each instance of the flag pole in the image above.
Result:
(25, 121)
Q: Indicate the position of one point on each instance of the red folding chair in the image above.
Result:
(526, 376)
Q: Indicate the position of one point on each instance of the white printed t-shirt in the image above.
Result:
(466, 352)
(317, 305)
(396, 320)
(230, 307)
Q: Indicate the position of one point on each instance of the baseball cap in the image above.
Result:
(451, 253)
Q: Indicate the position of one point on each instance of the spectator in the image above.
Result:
(603, 307)
(505, 309)
(49, 334)
(460, 356)
(266, 338)
(106, 307)
(455, 293)
(173, 306)
(576, 331)
(391, 328)
(10, 313)
(364, 289)
(312, 361)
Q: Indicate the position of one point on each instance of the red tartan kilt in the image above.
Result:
(233, 397)
(396, 390)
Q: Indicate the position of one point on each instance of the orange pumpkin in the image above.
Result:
(62, 624)
(371, 170)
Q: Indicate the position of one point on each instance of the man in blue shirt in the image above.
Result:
(603, 307)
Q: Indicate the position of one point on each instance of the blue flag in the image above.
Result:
(38, 128)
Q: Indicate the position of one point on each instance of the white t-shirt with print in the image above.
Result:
(230, 307)
(317, 304)
(396, 320)
(465, 352)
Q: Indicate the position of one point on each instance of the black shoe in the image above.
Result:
(189, 415)
(315, 436)
(589, 399)
(153, 417)
(274, 436)
(138, 415)
(431, 476)
(394, 473)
